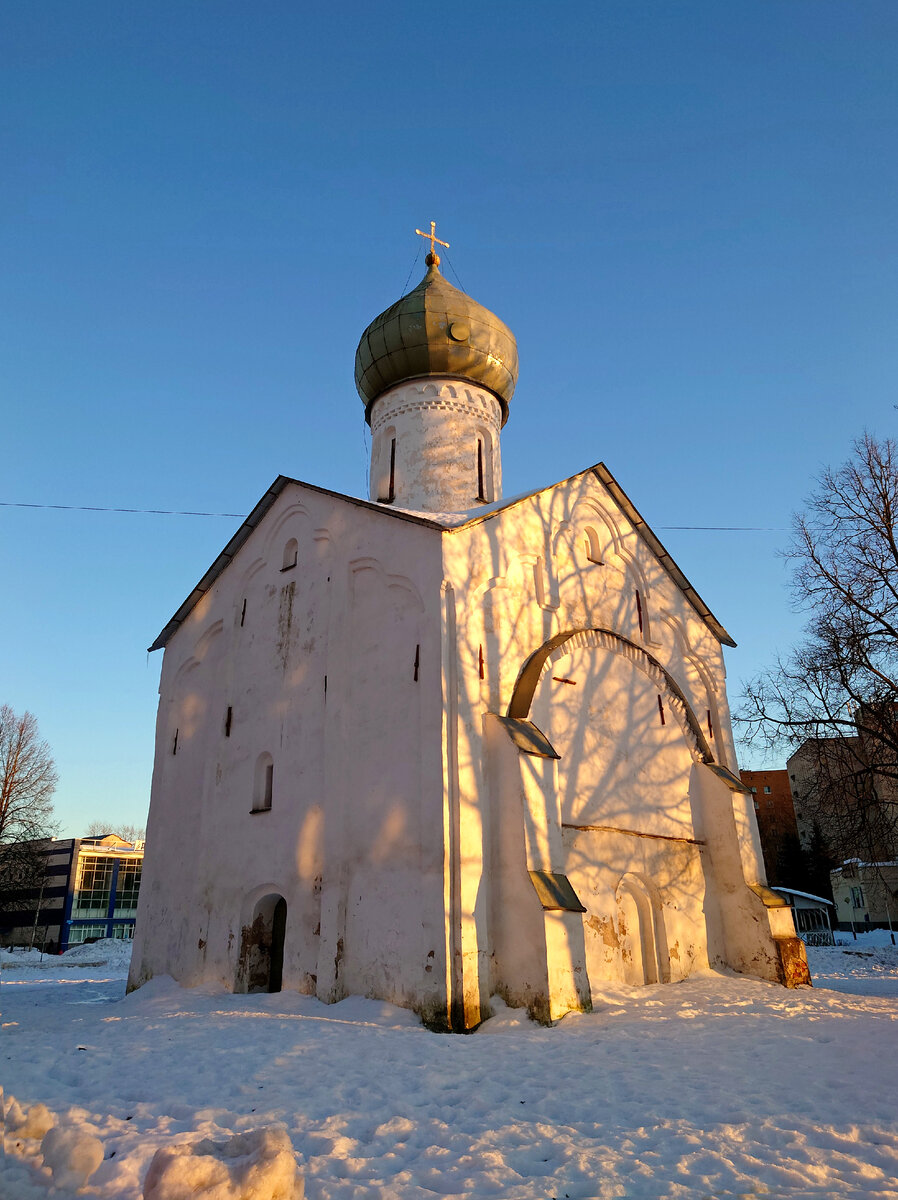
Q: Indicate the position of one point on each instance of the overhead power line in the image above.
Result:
(156, 512)
(172, 512)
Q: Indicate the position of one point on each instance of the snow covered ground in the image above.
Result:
(720, 1086)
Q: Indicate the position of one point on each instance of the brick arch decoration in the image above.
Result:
(541, 660)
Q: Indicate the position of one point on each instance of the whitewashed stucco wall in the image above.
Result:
(353, 840)
(569, 559)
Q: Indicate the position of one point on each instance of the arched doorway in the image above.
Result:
(261, 964)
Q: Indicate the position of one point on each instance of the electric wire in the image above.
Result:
(155, 512)
(454, 272)
(174, 512)
(417, 256)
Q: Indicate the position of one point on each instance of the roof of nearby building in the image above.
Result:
(804, 895)
(445, 523)
(857, 864)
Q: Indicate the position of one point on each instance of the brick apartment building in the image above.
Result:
(777, 826)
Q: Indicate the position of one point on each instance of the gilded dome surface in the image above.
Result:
(435, 329)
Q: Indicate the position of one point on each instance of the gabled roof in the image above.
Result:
(604, 476)
(447, 523)
(254, 519)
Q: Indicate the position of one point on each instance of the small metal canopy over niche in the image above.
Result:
(527, 737)
(732, 781)
(555, 891)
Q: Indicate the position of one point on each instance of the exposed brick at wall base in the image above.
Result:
(794, 970)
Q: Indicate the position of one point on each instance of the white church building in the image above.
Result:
(436, 745)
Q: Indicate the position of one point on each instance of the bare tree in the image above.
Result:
(27, 779)
(27, 782)
(127, 832)
(836, 694)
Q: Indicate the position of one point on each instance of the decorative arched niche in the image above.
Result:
(640, 930)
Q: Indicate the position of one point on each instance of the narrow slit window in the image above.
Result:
(480, 662)
(228, 717)
(661, 710)
(481, 494)
(417, 660)
(243, 613)
(639, 610)
(391, 492)
(710, 726)
(263, 784)
(174, 745)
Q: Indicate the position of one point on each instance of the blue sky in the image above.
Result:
(686, 213)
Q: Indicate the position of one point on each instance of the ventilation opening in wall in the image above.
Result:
(290, 552)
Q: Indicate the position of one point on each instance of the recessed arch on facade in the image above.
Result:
(206, 640)
(592, 533)
(587, 511)
(395, 582)
(694, 661)
(561, 644)
(292, 520)
(641, 934)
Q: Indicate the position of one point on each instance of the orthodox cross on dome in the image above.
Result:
(433, 259)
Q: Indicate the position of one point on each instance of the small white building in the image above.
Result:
(811, 914)
(434, 745)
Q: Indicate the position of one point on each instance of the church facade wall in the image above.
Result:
(325, 669)
(643, 844)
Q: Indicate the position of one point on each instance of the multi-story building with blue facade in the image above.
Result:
(87, 889)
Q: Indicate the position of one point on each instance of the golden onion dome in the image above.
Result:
(435, 329)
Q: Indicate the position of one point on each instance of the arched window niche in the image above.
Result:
(593, 547)
(291, 550)
(263, 783)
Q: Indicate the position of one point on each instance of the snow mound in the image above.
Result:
(72, 1155)
(257, 1165)
(111, 951)
(374, 1012)
(32, 1122)
(505, 1019)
